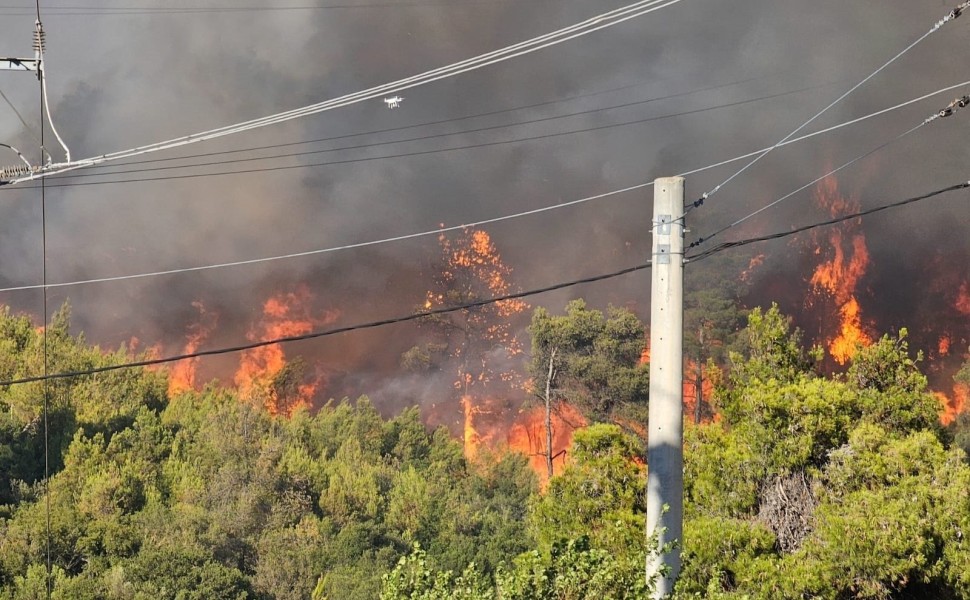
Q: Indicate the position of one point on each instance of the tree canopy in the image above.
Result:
(804, 486)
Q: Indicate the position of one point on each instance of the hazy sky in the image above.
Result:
(121, 75)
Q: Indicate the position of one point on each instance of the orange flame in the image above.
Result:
(756, 261)
(690, 391)
(182, 376)
(472, 440)
(950, 407)
(645, 355)
(285, 314)
(482, 341)
(943, 347)
(963, 299)
(528, 436)
(839, 277)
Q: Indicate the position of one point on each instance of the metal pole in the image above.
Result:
(665, 455)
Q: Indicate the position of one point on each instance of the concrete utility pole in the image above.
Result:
(665, 427)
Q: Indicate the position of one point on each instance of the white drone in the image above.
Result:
(393, 102)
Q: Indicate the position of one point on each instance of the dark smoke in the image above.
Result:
(121, 81)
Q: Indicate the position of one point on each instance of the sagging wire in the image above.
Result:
(25, 124)
(953, 14)
(477, 303)
(955, 105)
(833, 221)
(602, 21)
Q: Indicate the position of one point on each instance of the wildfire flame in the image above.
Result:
(528, 436)
(481, 341)
(182, 376)
(839, 276)
(284, 314)
(756, 261)
(952, 406)
(943, 347)
(962, 303)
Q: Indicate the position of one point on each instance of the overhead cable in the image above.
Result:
(469, 305)
(399, 238)
(945, 112)
(451, 228)
(530, 138)
(591, 25)
(329, 332)
(39, 43)
(436, 122)
(782, 234)
(19, 116)
(450, 134)
(953, 14)
(79, 10)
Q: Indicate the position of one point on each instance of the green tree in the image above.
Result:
(712, 320)
(960, 427)
(817, 488)
(590, 360)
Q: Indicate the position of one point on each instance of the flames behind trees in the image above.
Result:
(264, 374)
(839, 309)
(837, 278)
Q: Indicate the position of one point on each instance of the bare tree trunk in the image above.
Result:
(699, 382)
(699, 386)
(552, 357)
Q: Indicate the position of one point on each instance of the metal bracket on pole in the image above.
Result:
(19, 64)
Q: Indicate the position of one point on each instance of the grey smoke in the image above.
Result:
(120, 81)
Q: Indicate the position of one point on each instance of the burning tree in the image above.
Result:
(589, 361)
(477, 344)
(837, 278)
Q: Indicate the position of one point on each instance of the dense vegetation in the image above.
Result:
(803, 487)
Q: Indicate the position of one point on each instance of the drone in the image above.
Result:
(393, 102)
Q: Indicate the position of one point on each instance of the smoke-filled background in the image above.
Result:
(723, 78)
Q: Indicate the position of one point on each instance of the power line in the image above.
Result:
(950, 16)
(701, 240)
(438, 122)
(409, 236)
(591, 25)
(469, 305)
(17, 112)
(955, 105)
(328, 332)
(452, 228)
(61, 11)
(454, 133)
(529, 138)
(774, 236)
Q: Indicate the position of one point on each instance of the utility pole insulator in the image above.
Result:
(665, 425)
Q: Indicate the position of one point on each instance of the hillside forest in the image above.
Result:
(800, 483)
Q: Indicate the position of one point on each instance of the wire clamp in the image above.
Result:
(954, 105)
